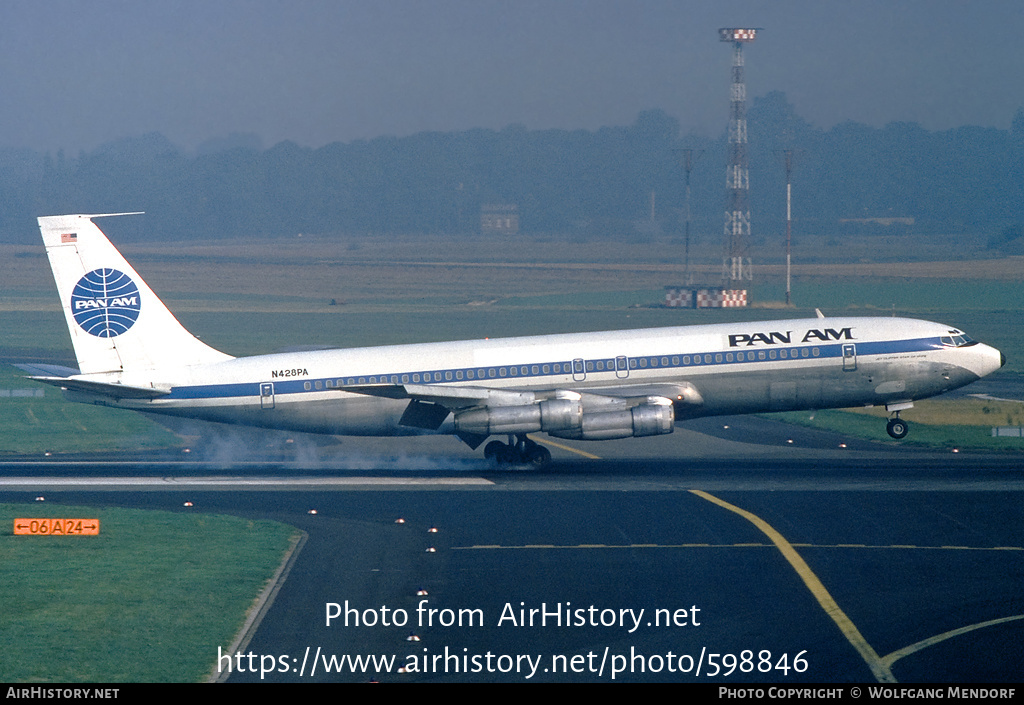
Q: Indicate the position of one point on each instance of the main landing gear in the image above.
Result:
(897, 427)
(519, 450)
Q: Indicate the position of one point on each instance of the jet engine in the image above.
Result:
(566, 418)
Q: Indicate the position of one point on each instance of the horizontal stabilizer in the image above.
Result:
(107, 389)
(43, 370)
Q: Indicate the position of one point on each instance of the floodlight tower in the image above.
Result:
(736, 263)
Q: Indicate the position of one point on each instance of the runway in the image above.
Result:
(732, 551)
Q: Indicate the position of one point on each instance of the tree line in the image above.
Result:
(576, 183)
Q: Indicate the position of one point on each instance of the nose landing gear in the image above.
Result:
(519, 450)
(897, 427)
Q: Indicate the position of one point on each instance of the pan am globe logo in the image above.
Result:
(105, 303)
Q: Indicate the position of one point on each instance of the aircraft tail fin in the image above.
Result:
(117, 323)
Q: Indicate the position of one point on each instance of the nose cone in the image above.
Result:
(987, 360)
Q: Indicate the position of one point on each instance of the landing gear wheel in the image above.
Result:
(897, 428)
(520, 450)
(496, 450)
(538, 456)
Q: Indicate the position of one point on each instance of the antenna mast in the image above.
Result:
(736, 264)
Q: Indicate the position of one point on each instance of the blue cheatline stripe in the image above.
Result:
(561, 368)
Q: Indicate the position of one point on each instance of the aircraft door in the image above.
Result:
(849, 357)
(621, 367)
(579, 370)
(267, 395)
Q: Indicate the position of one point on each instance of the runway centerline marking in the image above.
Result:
(821, 594)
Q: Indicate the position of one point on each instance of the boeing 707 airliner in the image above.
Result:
(133, 354)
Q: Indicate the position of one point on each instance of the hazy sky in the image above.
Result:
(77, 73)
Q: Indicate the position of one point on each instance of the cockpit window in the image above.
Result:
(957, 341)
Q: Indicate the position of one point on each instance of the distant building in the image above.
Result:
(499, 219)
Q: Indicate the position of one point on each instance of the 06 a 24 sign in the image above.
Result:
(56, 527)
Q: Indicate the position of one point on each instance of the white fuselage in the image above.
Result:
(703, 370)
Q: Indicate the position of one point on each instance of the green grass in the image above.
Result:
(148, 600)
(858, 425)
(36, 425)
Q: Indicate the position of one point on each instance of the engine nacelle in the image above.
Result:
(550, 415)
(643, 420)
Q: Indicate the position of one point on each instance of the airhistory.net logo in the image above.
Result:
(105, 303)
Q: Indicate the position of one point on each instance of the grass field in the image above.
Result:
(935, 423)
(147, 600)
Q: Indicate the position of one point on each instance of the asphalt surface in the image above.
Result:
(758, 552)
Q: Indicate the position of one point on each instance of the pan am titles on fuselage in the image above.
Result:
(132, 353)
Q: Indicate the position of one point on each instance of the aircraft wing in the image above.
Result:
(454, 398)
(430, 404)
(447, 396)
